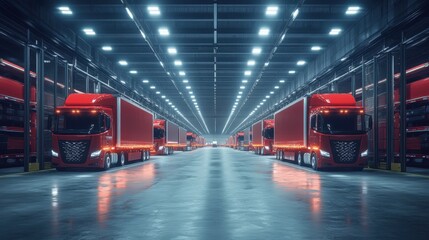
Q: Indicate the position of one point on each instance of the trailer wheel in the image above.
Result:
(282, 155)
(107, 161)
(147, 155)
(314, 162)
(299, 159)
(121, 161)
(278, 155)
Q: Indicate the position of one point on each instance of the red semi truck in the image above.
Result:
(324, 131)
(239, 140)
(191, 139)
(166, 137)
(263, 136)
(100, 130)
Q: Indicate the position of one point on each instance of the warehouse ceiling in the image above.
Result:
(214, 43)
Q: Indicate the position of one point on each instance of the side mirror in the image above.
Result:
(368, 119)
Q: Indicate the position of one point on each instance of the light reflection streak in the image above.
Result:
(304, 185)
(117, 183)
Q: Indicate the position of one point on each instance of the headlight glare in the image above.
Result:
(96, 153)
(324, 153)
(54, 154)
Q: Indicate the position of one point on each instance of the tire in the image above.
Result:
(277, 155)
(313, 161)
(148, 155)
(121, 160)
(60, 169)
(143, 156)
(359, 169)
(107, 161)
(282, 156)
(299, 159)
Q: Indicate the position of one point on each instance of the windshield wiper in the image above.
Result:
(90, 129)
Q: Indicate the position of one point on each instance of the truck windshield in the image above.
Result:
(336, 123)
(79, 123)
(158, 133)
(240, 138)
(268, 133)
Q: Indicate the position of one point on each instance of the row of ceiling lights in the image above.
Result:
(272, 11)
(153, 10)
(164, 32)
(263, 32)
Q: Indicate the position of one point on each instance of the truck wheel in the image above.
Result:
(278, 155)
(147, 155)
(314, 162)
(121, 161)
(299, 159)
(143, 156)
(282, 155)
(107, 161)
(60, 169)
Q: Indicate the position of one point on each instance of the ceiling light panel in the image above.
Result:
(264, 31)
(163, 31)
(352, 10)
(335, 31)
(153, 10)
(256, 51)
(271, 10)
(172, 51)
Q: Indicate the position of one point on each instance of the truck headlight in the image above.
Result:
(96, 153)
(160, 148)
(364, 153)
(324, 153)
(267, 147)
(54, 154)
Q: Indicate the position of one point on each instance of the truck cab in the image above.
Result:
(337, 132)
(268, 136)
(161, 145)
(80, 134)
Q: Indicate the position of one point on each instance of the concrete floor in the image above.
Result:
(214, 193)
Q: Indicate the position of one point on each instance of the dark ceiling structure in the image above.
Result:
(216, 63)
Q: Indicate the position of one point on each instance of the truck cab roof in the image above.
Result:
(76, 99)
(328, 100)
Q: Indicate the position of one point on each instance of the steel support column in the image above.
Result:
(363, 83)
(27, 98)
(390, 120)
(375, 99)
(353, 84)
(55, 81)
(40, 84)
(66, 79)
(87, 81)
(402, 112)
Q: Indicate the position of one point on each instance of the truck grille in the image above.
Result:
(345, 151)
(74, 151)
